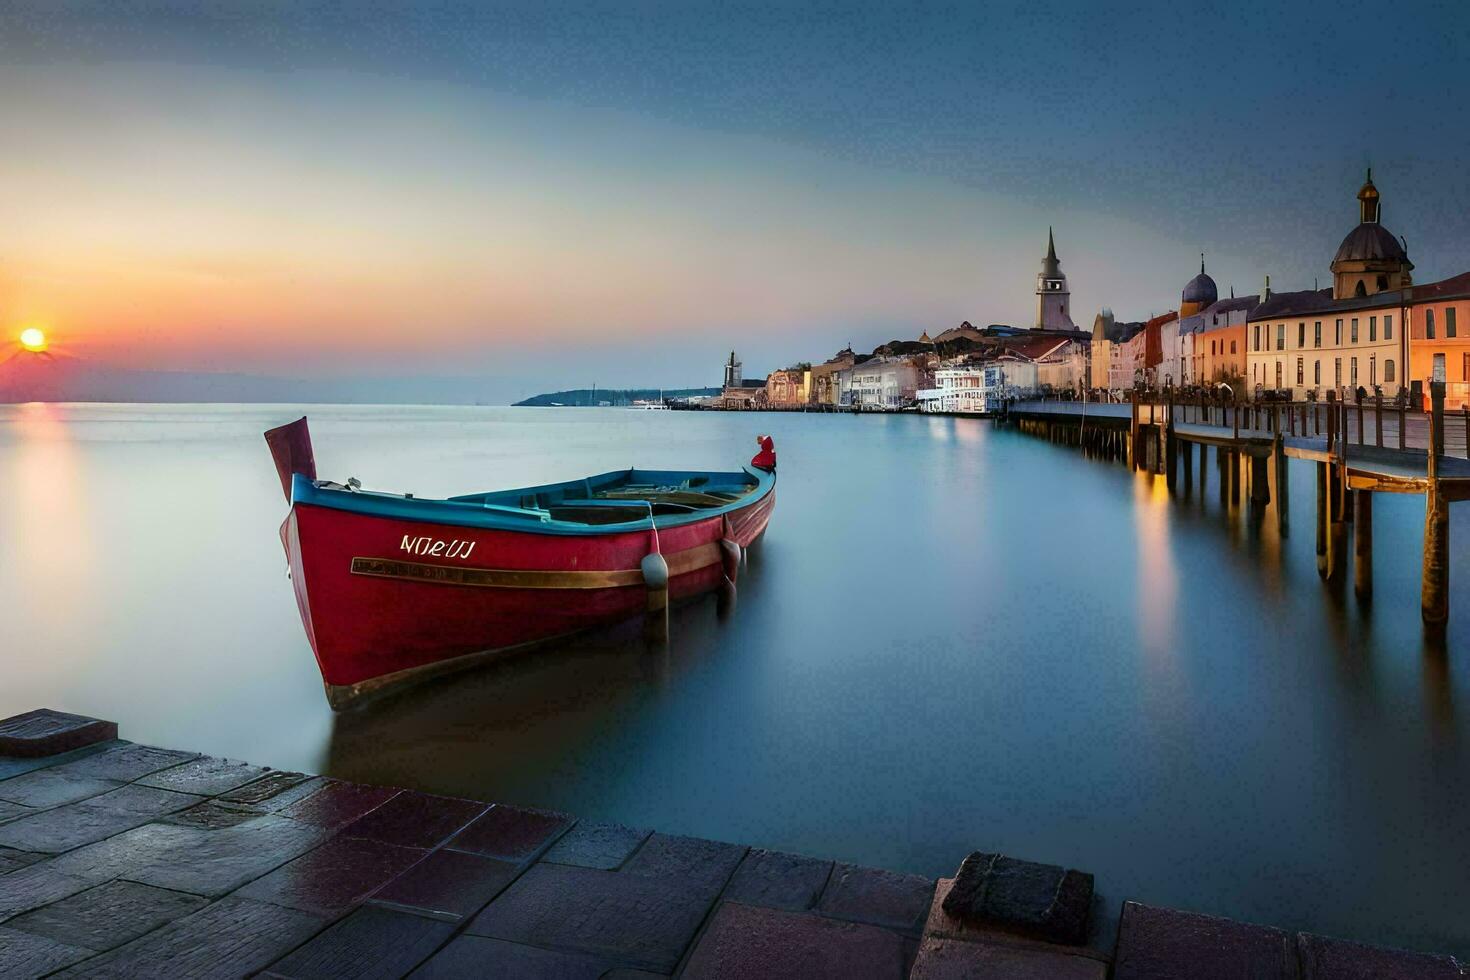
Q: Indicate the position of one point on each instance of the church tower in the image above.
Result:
(1052, 295)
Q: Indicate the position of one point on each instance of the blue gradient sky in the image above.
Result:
(548, 195)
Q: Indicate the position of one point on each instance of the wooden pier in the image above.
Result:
(1359, 449)
(126, 860)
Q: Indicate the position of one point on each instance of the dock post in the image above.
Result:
(1436, 415)
(1260, 489)
(1133, 428)
(1363, 545)
(1204, 469)
(1278, 457)
(1186, 453)
(1322, 565)
(1378, 419)
(1435, 590)
(1170, 448)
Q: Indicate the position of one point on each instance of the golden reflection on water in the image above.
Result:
(1158, 579)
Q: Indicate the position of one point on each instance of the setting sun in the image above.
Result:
(33, 338)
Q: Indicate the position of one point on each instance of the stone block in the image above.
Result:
(629, 919)
(956, 959)
(25, 955)
(232, 937)
(473, 957)
(1045, 900)
(44, 732)
(12, 859)
(214, 815)
(745, 941)
(448, 884)
(126, 762)
(108, 915)
(267, 787)
(337, 804)
(333, 878)
(415, 820)
(1322, 958)
(99, 817)
(38, 884)
(370, 944)
(596, 845)
(777, 880)
(214, 862)
(942, 925)
(9, 811)
(1156, 943)
(877, 897)
(123, 855)
(511, 833)
(707, 862)
(49, 787)
(205, 776)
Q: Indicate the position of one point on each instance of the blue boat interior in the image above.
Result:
(628, 497)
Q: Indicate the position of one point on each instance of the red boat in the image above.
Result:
(394, 588)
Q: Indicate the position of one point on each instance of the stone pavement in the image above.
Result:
(124, 860)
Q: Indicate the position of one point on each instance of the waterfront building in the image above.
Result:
(883, 383)
(957, 389)
(1141, 355)
(1053, 298)
(1008, 376)
(788, 388)
(823, 387)
(1219, 344)
(1111, 360)
(1199, 292)
(1348, 336)
(1439, 338)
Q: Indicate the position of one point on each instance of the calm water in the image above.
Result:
(952, 637)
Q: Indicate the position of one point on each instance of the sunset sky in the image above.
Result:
(550, 195)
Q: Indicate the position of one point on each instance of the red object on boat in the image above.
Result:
(766, 458)
(393, 588)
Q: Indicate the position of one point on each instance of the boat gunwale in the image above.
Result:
(460, 512)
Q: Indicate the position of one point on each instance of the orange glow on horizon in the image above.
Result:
(33, 339)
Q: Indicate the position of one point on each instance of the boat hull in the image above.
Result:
(387, 601)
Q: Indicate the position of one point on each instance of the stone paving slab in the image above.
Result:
(958, 959)
(206, 776)
(46, 788)
(11, 859)
(473, 957)
(877, 897)
(68, 827)
(743, 941)
(1322, 958)
(269, 786)
(337, 804)
(45, 732)
(596, 845)
(1155, 943)
(774, 879)
(448, 884)
(232, 937)
(108, 915)
(511, 833)
(23, 955)
(9, 811)
(334, 877)
(708, 863)
(36, 885)
(215, 862)
(631, 919)
(214, 815)
(370, 944)
(126, 762)
(415, 819)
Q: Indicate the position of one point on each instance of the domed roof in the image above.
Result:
(1371, 242)
(1201, 289)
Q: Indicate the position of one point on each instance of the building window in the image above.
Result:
(1372, 370)
(1465, 367)
(1278, 372)
(1372, 329)
(1337, 370)
(1232, 347)
(1388, 372)
(1301, 335)
(1317, 334)
(1281, 336)
(1355, 330)
(1301, 371)
(1429, 324)
(1449, 321)
(1338, 341)
(1354, 368)
(1317, 372)
(1388, 328)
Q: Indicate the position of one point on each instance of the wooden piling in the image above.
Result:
(1278, 457)
(1435, 587)
(1322, 519)
(1363, 545)
(1260, 489)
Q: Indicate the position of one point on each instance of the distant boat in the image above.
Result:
(394, 588)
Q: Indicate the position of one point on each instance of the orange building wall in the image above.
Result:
(1456, 349)
(1222, 363)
